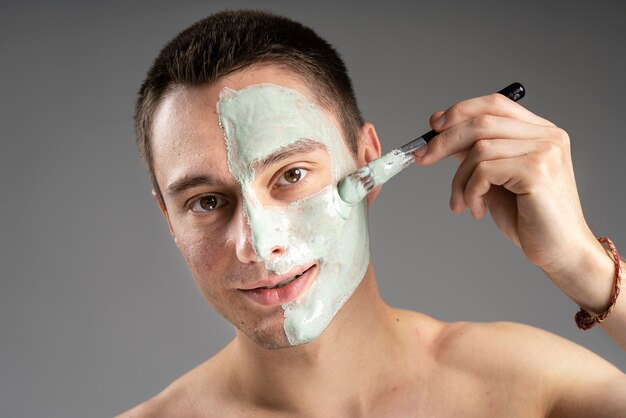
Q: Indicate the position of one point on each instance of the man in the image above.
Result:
(247, 122)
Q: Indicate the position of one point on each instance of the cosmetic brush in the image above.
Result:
(355, 186)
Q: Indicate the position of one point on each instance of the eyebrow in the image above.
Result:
(177, 187)
(301, 146)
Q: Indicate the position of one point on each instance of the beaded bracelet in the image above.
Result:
(583, 319)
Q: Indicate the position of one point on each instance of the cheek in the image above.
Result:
(205, 258)
(207, 262)
(316, 218)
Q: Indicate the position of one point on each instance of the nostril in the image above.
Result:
(276, 251)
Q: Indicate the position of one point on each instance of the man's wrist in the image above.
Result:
(589, 281)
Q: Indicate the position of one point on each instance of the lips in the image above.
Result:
(282, 289)
(284, 282)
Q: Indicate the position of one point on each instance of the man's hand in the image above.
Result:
(519, 167)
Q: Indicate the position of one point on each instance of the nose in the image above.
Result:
(267, 231)
(243, 239)
(259, 234)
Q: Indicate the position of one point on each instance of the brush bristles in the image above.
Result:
(364, 177)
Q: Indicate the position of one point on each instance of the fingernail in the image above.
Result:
(441, 121)
(421, 151)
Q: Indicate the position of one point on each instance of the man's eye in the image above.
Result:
(292, 176)
(206, 203)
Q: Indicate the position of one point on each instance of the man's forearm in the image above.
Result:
(615, 323)
(591, 284)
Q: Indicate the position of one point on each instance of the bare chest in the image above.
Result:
(444, 397)
(458, 395)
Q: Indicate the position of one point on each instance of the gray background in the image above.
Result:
(97, 309)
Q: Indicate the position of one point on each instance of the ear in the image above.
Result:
(166, 215)
(369, 150)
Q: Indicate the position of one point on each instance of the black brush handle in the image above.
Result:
(513, 91)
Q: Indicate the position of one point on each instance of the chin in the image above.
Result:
(273, 345)
(273, 337)
(269, 340)
(267, 333)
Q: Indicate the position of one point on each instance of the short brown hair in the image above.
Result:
(234, 40)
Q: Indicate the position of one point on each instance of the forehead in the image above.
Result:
(265, 118)
(186, 132)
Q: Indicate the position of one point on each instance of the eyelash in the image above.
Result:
(304, 174)
(220, 203)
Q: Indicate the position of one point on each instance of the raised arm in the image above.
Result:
(518, 167)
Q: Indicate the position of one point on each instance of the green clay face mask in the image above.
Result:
(259, 121)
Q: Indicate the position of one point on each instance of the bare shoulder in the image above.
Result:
(531, 347)
(568, 378)
(194, 394)
(174, 401)
(151, 408)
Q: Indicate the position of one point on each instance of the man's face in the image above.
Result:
(248, 168)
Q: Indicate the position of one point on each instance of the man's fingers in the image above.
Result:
(494, 104)
(434, 117)
(486, 150)
(520, 175)
(488, 173)
(465, 134)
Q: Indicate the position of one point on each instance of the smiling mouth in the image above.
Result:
(285, 291)
(287, 280)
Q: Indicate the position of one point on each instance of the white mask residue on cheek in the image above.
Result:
(258, 121)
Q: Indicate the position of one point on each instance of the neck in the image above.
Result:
(355, 351)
